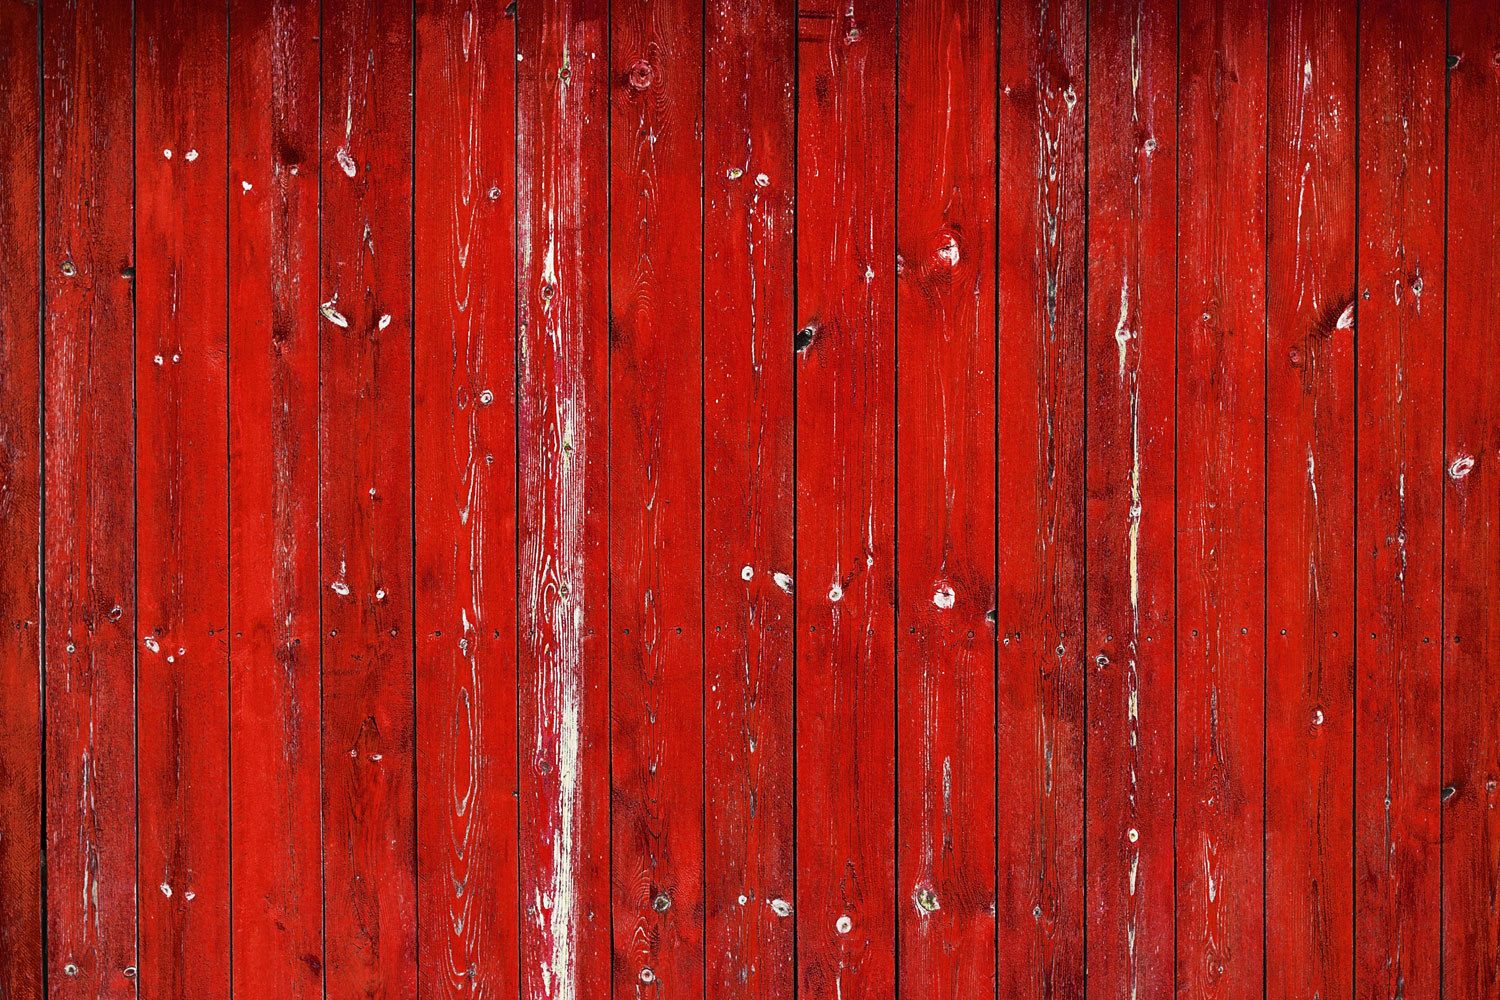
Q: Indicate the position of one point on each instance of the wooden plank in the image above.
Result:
(1221, 499)
(464, 401)
(182, 545)
(749, 418)
(845, 576)
(945, 392)
(365, 457)
(277, 863)
(21, 811)
(656, 495)
(562, 199)
(1040, 457)
(1471, 581)
(1310, 499)
(1399, 464)
(1131, 435)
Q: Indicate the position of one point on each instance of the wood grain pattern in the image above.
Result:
(275, 738)
(465, 438)
(749, 415)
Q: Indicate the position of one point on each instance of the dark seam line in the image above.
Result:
(796, 65)
(135, 535)
(1354, 548)
(44, 950)
(228, 504)
(1265, 491)
(411, 443)
(322, 629)
(1443, 533)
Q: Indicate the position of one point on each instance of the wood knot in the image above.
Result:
(641, 75)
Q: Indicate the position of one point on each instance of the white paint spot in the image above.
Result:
(1346, 318)
(844, 924)
(1317, 717)
(167, 153)
(385, 321)
(158, 359)
(747, 573)
(1122, 326)
(380, 595)
(835, 593)
(743, 900)
(189, 895)
(781, 907)
(943, 597)
(191, 155)
(347, 162)
(948, 253)
(332, 315)
(151, 644)
(761, 180)
(166, 890)
(647, 976)
(339, 587)
(1461, 467)
(783, 581)
(245, 186)
(1133, 834)
(734, 173)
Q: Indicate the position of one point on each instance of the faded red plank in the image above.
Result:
(182, 482)
(1041, 543)
(846, 426)
(749, 416)
(1471, 728)
(1310, 499)
(464, 401)
(365, 457)
(21, 903)
(945, 391)
(277, 863)
(1132, 357)
(562, 200)
(1399, 527)
(656, 495)
(1221, 420)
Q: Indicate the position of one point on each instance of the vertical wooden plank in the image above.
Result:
(562, 201)
(749, 416)
(465, 311)
(21, 908)
(1040, 456)
(182, 451)
(945, 392)
(1131, 435)
(277, 861)
(656, 495)
(1221, 499)
(1399, 465)
(1471, 583)
(1310, 499)
(845, 576)
(369, 824)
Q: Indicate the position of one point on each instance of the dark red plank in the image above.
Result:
(1221, 422)
(365, 457)
(1399, 462)
(1132, 357)
(1039, 608)
(21, 931)
(277, 863)
(464, 401)
(845, 576)
(656, 495)
(1471, 583)
(749, 161)
(945, 391)
(1310, 165)
(182, 544)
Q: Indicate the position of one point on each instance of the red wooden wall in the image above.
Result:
(644, 498)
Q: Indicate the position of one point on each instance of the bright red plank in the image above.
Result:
(1471, 729)
(182, 544)
(277, 862)
(1221, 423)
(1132, 384)
(749, 414)
(846, 427)
(656, 494)
(464, 401)
(21, 904)
(1310, 165)
(945, 391)
(1040, 503)
(365, 458)
(1399, 318)
(562, 189)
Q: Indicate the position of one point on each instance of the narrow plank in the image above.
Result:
(1310, 499)
(1131, 435)
(365, 457)
(182, 545)
(464, 401)
(277, 862)
(1471, 582)
(1399, 533)
(656, 495)
(21, 809)
(562, 199)
(1221, 499)
(1041, 545)
(845, 473)
(749, 418)
(945, 457)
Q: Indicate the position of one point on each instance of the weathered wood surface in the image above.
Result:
(752, 500)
